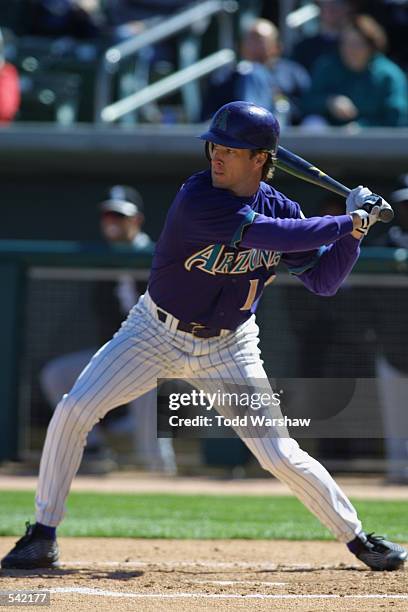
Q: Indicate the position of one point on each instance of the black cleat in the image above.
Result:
(32, 551)
(377, 552)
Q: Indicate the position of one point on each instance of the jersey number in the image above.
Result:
(253, 286)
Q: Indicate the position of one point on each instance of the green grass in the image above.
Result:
(196, 516)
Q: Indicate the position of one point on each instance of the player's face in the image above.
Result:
(235, 169)
(119, 228)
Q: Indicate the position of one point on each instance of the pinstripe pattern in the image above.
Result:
(59, 375)
(129, 365)
(281, 456)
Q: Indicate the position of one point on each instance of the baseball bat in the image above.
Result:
(299, 167)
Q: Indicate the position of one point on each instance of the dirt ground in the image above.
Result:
(151, 575)
(176, 575)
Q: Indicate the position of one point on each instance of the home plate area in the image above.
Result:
(131, 574)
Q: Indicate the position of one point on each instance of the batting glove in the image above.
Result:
(363, 198)
(367, 219)
(358, 197)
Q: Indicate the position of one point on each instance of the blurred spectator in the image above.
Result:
(263, 76)
(358, 85)
(334, 15)
(9, 88)
(393, 16)
(392, 359)
(81, 19)
(121, 222)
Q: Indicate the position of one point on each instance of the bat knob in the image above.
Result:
(386, 213)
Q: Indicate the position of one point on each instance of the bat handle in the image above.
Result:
(386, 213)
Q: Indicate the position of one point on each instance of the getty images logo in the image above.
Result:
(209, 400)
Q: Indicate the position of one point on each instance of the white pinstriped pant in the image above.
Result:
(59, 375)
(145, 349)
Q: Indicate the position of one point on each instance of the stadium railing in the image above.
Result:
(194, 19)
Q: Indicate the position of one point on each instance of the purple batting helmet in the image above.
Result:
(242, 125)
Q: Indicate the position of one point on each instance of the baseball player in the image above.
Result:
(224, 234)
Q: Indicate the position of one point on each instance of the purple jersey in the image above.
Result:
(217, 251)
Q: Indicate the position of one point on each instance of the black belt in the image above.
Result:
(196, 329)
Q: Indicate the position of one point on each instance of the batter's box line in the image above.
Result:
(135, 595)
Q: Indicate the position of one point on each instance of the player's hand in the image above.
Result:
(362, 197)
(358, 198)
(363, 220)
(341, 107)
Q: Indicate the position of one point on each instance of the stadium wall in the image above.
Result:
(52, 178)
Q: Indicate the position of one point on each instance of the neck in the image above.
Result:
(246, 191)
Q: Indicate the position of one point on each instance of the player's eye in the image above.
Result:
(212, 149)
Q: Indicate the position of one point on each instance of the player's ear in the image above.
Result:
(260, 158)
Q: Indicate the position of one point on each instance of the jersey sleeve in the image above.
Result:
(332, 267)
(299, 262)
(324, 269)
(295, 235)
